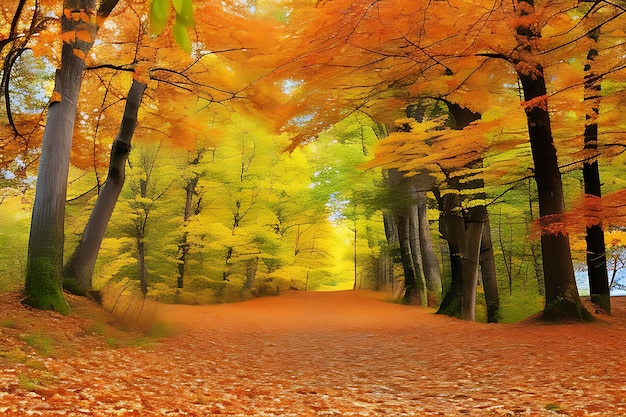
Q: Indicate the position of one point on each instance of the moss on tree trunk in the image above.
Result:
(45, 293)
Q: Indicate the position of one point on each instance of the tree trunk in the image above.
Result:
(183, 249)
(43, 284)
(596, 248)
(141, 261)
(488, 272)
(251, 268)
(473, 233)
(45, 247)
(78, 272)
(416, 252)
(432, 272)
(453, 230)
(184, 246)
(475, 217)
(562, 298)
(411, 295)
(403, 213)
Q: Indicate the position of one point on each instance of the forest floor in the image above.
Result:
(307, 354)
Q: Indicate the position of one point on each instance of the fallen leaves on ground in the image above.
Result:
(308, 354)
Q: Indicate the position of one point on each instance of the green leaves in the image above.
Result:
(184, 11)
(181, 35)
(159, 16)
(159, 12)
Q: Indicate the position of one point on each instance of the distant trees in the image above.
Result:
(392, 58)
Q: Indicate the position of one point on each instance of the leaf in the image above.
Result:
(159, 11)
(184, 11)
(56, 97)
(181, 35)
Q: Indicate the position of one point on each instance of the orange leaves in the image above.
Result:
(79, 15)
(609, 210)
(56, 97)
(540, 102)
(79, 30)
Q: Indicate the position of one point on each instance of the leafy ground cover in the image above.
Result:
(307, 354)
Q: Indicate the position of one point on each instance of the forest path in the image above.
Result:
(343, 354)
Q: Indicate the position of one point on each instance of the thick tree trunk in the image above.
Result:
(411, 295)
(78, 272)
(432, 272)
(596, 248)
(474, 218)
(45, 248)
(453, 230)
(488, 272)
(473, 233)
(43, 284)
(562, 298)
(474, 221)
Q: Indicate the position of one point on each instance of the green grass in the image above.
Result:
(28, 383)
(41, 343)
(8, 323)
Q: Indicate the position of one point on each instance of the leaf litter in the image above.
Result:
(349, 353)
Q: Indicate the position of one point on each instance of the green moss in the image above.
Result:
(12, 356)
(563, 310)
(72, 285)
(41, 343)
(553, 407)
(29, 384)
(43, 289)
(453, 309)
(8, 323)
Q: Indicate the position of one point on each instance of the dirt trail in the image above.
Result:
(343, 354)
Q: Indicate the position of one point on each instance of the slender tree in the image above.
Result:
(78, 271)
(596, 247)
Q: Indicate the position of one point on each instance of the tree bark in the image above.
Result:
(411, 295)
(416, 252)
(432, 272)
(488, 272)
(141, 261)
(469, 234)
(43, 284)
(45, 246)
(251, 268)
(404, 212)
(453, 230)
(78, 271)
(562, 298)
(184, 246)
(596, 248)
